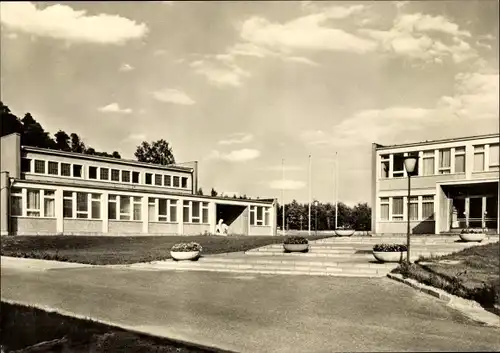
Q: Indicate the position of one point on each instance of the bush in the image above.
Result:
(389, 247)
(296, 240)
(185, 247)
(473, 231)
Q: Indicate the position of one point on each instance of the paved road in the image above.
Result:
(262, 313)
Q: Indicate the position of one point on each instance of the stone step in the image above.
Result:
(414, 253)
(360, 263)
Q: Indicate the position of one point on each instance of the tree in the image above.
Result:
(213, 193)
(158, 152)
(199, 192)
(77, 144)
(62, 141)
(90, 150)
(10, 122)
(361, 216)
(116, 155)
(34, 135)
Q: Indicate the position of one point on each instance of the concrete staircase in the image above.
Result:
(348, 257)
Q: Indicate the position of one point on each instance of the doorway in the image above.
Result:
(475, 212)
(491, 212)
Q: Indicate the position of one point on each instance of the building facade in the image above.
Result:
(49, 192)
(455, 186)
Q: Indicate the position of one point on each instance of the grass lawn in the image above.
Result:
(23, 327)
(103, 250)
(472, 273)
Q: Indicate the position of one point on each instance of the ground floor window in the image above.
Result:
(260, 216)
(424, 203)
(32, 202)
(124, 208)
(162, 210)
(81, 205)
(195, 212)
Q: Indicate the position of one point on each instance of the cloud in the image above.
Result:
(237, 138)
(174, 96)
(126, 67)
(135, 137)
(314, 137)
(302, 60)
(287, 184)
(219, 73)
(241, 155)
(114, 108)
(62, 22)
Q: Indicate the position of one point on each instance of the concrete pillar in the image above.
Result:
(145, 215)
(180, 219)
(104, 212)
(212, 216)
(374, 189)
(59, 210)
(469, 161)
(4, 203)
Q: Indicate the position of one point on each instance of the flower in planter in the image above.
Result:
(390, 247)
(185, 247)
(296, 240)
(473, 231)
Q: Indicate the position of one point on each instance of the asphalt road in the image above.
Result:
(261, 313)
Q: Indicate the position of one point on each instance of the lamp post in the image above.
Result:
(316, 217)
(410, 162)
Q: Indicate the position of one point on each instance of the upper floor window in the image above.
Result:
(39, 166)
(53, 168)
(115, 175)
(459, 159)
(184, 182)
(25, 165)
(176, 182)
(77, 170)
(92, 172)
(104, 173)
(494, 164)
(125, 176)
(428, 162)
(398, 165)
(444, 161)
(149, 179)
(158, 179)
(478, 158)
(135, 177)
(65, 169)
(384, 166)
(167, 180)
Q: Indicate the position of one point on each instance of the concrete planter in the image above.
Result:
(472, 236)
(344, 232)
(296, 247)
(184, 255)
(389, 256)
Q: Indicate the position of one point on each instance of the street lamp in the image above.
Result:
(316, 217)
(410, 162)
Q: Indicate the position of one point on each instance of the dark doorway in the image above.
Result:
(234, 216)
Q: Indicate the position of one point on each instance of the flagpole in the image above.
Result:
(283, 191)
(310, 195)
(336, 188)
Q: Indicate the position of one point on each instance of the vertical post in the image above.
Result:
(316, 219)
(336, 189)
(309, 218)
(408, 221)
(283, 192)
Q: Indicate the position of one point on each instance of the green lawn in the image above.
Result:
(103, 250)
(23, 327)
(472, 273)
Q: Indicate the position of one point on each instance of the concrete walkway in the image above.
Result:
(255, 313)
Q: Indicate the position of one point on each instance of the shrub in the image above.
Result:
(296, 240)
(185, 247)
(473, 231)
(389, 247)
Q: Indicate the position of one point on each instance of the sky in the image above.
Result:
(243, 87)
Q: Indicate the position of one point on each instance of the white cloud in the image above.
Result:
(114, 108)
(62, 22)
(160, 52)
(302, 60)
(174, 96)
(237, 138)
(11, 35)
(241, 155)
(220, 73)
(126, 67)
(135, 137)
(287, 184)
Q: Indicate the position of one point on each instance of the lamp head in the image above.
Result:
(410, 163)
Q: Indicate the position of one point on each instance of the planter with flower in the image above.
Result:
(473, 234)
(186, 251)
(389, 252)
(345, 230)
(296, 244)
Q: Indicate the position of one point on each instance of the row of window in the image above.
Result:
(260, 216)
(393, 208)
(449, 160)
(39, 166)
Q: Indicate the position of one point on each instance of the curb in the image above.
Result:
(469, 308)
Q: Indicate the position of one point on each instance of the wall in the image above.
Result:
(82, 226)
(417, 182)
(159, 228)
(442, 210)
(124, 227)
(10, 153)
(260, 230)
(4, 203)
(195, 229)
(33, 226)
(484, 175)
(399, 227)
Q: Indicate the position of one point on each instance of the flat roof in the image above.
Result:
(432, 142)
(173, 167)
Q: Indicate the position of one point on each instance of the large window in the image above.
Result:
(260, 216)
(427, 207)
(444, 161)
(397, 208)
(459, 159)
(384, 208)
(162, 210)
(40, 203)
(81, 205)
(49, 203)
(16, 202)
(68, 204)
(413, 208)
(33, 203)
(124, 208)
(494, 160)
(398, 165)
(195, 212)
(478, 158)
(384, 166)
(428, 163)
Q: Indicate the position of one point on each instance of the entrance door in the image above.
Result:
(476, 212)
(491, 214)
(458, 216)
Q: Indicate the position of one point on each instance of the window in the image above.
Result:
(104, 173)
(204, 218)
(185, 212)
(384, 166)
(259, 216)
(33, 203)
(195, 212)
(82, 205)
(39, 166)
(163, 210)
(176, 181)
(398, 165)
(112, 206)
(195, 218)
(16, 202)
(53, 168)
(25, 165)
(167, 180)
(173, 211)
(92, 172)
(135, 177)
(167, 210)
(65, 169)
(459, 159)
(149, 178)
(428, 207)
(413, 208)
(77, 170)
(125, 176)
(96, 206)
(158, 179)
(49, 203)
(397, 208)
(494, 164)
(137, 208)
(124, 207)
(267, 216)
(478, 158)
(444, 161)
(428, 163)
(152, 217)
(115, 175)
(67, 204)
(384, 208)
(184, 181)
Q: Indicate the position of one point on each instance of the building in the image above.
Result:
(454, 186)
(48, 192)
